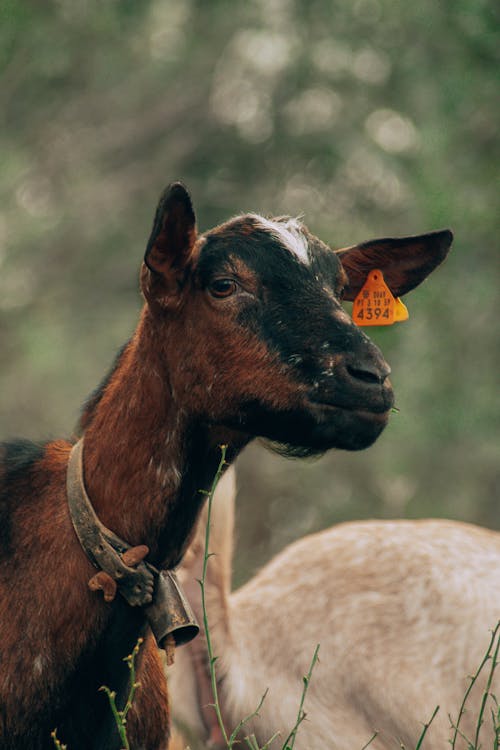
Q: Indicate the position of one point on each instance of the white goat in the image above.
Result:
(403, 611)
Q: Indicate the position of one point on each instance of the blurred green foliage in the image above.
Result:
(370, 117)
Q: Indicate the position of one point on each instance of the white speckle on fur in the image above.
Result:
(177, 475)
(166, 476)
(290, 234)
(39, 662)
(342, 316)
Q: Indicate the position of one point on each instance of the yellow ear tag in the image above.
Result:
(400, 311)
(375, 304)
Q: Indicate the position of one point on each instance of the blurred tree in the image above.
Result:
(370, 117)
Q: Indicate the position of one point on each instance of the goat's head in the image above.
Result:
(249, 323)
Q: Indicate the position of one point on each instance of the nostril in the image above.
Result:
(369, 372)
(367, 376)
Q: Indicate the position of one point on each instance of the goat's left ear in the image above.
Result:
(405, 262)
(173, 235)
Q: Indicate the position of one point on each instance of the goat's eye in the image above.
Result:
(222, 287)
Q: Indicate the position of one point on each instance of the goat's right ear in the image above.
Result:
(172, 239)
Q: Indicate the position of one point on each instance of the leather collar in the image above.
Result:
(123, 569)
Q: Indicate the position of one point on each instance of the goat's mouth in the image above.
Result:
(319, 421)
(318, 427)
(349, 425)
(378, 412)
(376, 404)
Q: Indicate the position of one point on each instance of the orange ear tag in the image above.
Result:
(375, 304)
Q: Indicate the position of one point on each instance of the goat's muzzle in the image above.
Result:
(357, 382)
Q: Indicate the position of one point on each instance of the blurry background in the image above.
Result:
(370, 117)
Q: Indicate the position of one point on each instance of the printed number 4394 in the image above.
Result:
(371, 313)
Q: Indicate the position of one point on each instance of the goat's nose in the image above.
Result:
(369, 370)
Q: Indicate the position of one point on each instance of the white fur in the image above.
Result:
(39, 664)
(290, 234)
(402, 611)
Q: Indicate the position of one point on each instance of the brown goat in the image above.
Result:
(242, 334)
(402, 611)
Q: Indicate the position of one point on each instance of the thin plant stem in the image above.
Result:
(467, 741)
(244, 721)
(211, 658)
(495, 717)
(374, 735)
(133, 684)
(250, 740)
(473, 680)
(426, 727)
(494, 664)
(57, 743)
(301, 713)
(271, 739)
(116, 715)
(120, 715)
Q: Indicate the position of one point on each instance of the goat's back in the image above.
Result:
(403, 612)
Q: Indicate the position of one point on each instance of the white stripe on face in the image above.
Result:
(290, 234)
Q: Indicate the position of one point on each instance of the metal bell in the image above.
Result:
(170, 613)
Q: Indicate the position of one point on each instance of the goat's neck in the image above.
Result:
(145, 461)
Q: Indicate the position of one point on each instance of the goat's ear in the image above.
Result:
(405, 261)
(173, 235)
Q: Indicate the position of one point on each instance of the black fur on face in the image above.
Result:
(287, 288)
